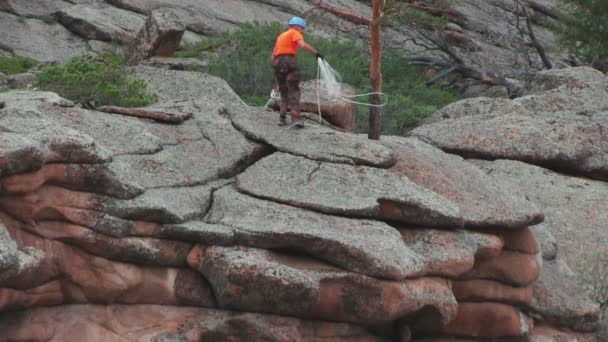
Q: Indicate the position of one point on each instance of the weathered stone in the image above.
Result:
(357, 191)
(199, 232)
(311, 141)
(83, 177)
(520, 241)
(19, 154)
(576, 211)
(336, 111)
(450, 253)
(482, 203)
(8, 250)
(491, 291)
(488, 320)
(38, 40)
(117, 133)
(171, 63)
(546, 333)
(88, 279)
(169, 323)
(551, 79)
(580, 98)
(263, 281)
(546, 241)
(482, 106)
(186, 203)
(565, 141)
(101, 22)
(143, 251)
(560, 301)
(160, 36)
(22, 81)
(363, 246)
(32, 8)
(512, 268)
(30, 100)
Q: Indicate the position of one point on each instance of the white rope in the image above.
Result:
(274, 95)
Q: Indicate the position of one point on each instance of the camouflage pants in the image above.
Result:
(288, 78)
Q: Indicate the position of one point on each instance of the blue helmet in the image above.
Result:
(298, 21)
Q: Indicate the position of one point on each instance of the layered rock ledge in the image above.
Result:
(223, 226)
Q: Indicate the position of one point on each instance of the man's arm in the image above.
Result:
(308, 47)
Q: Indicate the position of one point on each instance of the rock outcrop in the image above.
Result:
(210, 222)
(482, 33)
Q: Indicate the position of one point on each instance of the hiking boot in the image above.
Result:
(282, 121)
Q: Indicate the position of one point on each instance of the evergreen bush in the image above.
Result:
(95, 82)
(16, 65)
(243, 59)
(583, 31)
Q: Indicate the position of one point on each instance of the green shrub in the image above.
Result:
(243, 60)
(96, 82)
(583, 31)
(16, 65)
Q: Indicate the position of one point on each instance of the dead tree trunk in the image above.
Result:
(375, 73)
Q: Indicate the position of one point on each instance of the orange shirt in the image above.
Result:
(287, 43)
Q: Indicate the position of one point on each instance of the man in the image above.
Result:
(286, 67)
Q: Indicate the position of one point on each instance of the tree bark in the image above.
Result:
(375, 112)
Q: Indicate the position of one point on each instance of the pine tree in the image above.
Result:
(584, 31)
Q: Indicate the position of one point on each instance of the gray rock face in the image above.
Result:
(576, 212)
(8, 250)
(33, 8)
(160, 35)
(363, 246)
(101, 22)
(450, 253)
(483, 205)
(311, 141)
(347, 190)
(298, 286)
(551, 79)
(38, 40)
(22, 81)
(562, 141)
(559, 300)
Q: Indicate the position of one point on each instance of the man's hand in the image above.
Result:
(319, 55)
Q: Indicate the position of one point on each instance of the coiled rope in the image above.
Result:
(275, 95)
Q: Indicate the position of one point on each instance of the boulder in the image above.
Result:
(101, 22)
(482, 203)
(491, 291)
(551, 79)
(450, 253)
(84, 278)
(38, 40)
(312, 141)
(33, 8)
(567, 142)
(336, 111)
(356, 191)
(8, 250)
(543, 333)
(160, 36)
(258, 280)
(488, 320)
(513, 268)
(559, 300)
(368, 247)
(171, 63)
(576, 212)
(477, 106)
(169, 323)
(22, 81)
